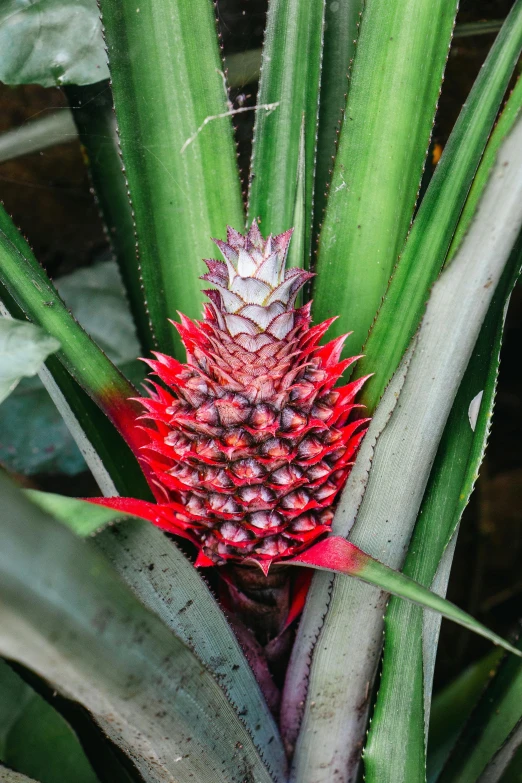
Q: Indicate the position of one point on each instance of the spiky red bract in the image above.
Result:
(249, 442)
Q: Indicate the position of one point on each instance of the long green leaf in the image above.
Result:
(451, 482)
(399, 717)
(349, 634)
(93, 113)
(66, 615)
(169, 585)
(399, 62)
(451, 708)
(433, 228)
(34, 294)
(341, 30)
(290, 77)
(496, 716)
(177, 145)
(37, 740)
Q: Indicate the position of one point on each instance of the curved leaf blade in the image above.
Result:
(65, 618)
(167, 583)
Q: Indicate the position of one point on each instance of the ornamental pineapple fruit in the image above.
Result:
(250, 443)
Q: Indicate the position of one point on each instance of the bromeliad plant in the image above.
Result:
(263, 448)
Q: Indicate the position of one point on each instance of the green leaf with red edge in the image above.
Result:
(394, 86)
(339, 555)
(427, 245)
(32, 291)
(288, 105)
(177, 145)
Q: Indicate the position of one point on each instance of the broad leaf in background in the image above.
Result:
(23, 350)
(155, 701)
(177, 146)
(289, 85)
(394, 87)
(349, 636)
(51, 42)
(34, 436)
(34, 738)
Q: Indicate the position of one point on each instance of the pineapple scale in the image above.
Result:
(250, 440)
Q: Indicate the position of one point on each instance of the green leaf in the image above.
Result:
(451, 708)
(452, 479)
(80, 516)
(65, 614)
(433, 228)
(496, 716)
(93, 113)
(399, 62)
(51, 42)
(451, 482)
(335, 553)
(288, 101)
(23, 350)
(341, 30)
(168, 584)
(392, 471)
(36, 739)
(37, 298)
(177, 145)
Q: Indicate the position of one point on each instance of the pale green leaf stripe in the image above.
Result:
(66, 615)
(341, 30)
(177, 146)
(289, 84)
(350, 637)
(433, 228)
(174, 590)
(399, 62)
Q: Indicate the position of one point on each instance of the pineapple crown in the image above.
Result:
(254, 296)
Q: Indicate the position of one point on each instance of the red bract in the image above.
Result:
(250, 441)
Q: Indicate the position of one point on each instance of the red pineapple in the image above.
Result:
(250, 441)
